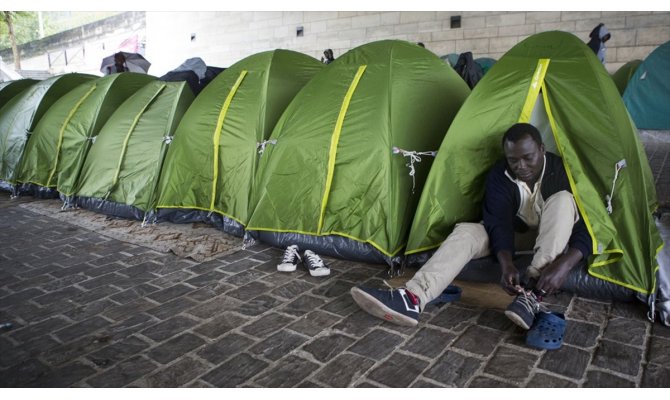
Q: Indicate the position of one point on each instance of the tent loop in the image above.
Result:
(617, 167)
(261, 146)
(91, 138)
(168, 139)
(414, 156)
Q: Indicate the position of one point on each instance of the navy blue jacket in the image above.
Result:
(502, 200)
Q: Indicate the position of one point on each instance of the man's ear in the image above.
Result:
(542, 148)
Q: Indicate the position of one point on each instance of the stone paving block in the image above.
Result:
(270, 267)
(309, 384)
(130, 325)
(313, 323)
(134, 293)
(103, 270)
(343, 305)
(424, 384)
(454, 318)
(165, 295)
(619, 358)
(659, 351)
(25, 312)
(169, 328)
(568, 361)
(122, 312)
(548, 381)
(104, 280)
(626, 331)
(65, 376)
(206, 266)
(511, 365)
(453, 369)
(333, 289)
(288, 373)
(89, 310)
(244, 277)
(249, 291)
(581, 334)
(209, 278)
(238, 255)
(240, 265)
(225, 348)
(267, 325)
(358, 323)
(119, 351)
(23, 374)
(173, 307)
(303, 305)
(257, 306)
(495, 319)
(278, 345)
(292, 289)
(325, 348)
(20, 297)
(588, 311)
(660, 330)
(600, 379)
(144, 270)
(377, 344)
(656, 376)
(210, 291)
(67, 352)
(171, 279)
(45, 327)
(175, 348)
(95, 294)
(220, 325)
(177, 374)
(486, 382)
(478, 340)
(235, 372)
(62, 283)
(36, 346)
(82, 328)
(398, 371)
(123, 373)
(25, 283)
(429, 342)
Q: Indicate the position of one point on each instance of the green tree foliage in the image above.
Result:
(26, 28)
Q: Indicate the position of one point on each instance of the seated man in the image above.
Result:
(527, 204)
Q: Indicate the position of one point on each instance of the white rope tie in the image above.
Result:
(167, 139)
(261, 146)
(617, 167)
(414, 156)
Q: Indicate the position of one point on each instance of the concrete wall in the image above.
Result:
(222, 38)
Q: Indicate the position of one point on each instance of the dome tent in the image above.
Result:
(342, 176)
(21, 114)
(57, 149)
(10, 89)
(622, 76)
(554, 81)
(121, 171)
(210, 166)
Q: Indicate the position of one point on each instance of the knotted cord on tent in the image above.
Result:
(261, 146)
(617, 167)
(414, 156)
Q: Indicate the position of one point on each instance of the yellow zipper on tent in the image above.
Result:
(334, 140)
(534, 89)
(127, 139)
(217, 134)
(62, 131)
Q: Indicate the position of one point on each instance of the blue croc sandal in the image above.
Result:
(547, 331)
(451, 293)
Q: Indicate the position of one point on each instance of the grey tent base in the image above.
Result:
(186, 216)
(38, 191)
(331, 245)
(110, 208)
(579, 282)
(8, 187)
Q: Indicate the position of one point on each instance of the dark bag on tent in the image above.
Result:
(468, 69)
(190, 77)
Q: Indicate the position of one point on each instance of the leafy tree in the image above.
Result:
(17, 27)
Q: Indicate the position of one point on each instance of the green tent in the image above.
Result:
(351, 152)
(21, 114)
(554, 81)
(622, 76)
(121, 171)
(57, 149)
(210, 166)
(10, 89)
(647, 96)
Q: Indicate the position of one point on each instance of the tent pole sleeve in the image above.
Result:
(217, 135)
(127, 139)
(62, 132)
(335, 138)
(534, 89)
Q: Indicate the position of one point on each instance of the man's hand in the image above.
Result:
(509, 279)
(554, 275)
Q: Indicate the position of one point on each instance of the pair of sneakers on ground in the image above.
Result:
(401, 306)
(312, 261)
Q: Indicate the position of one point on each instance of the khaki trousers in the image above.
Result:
(470, 240)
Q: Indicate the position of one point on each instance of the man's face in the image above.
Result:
(525, 159)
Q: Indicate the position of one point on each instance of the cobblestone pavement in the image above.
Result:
(90, 311)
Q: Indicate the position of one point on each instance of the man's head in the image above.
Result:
(524, 152)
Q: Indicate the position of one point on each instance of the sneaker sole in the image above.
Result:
(374, 307)
(286, 267)
(517, 320)
(319, 272)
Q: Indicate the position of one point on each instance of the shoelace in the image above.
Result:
(314, 260)
(290, 255)
(529, 302)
